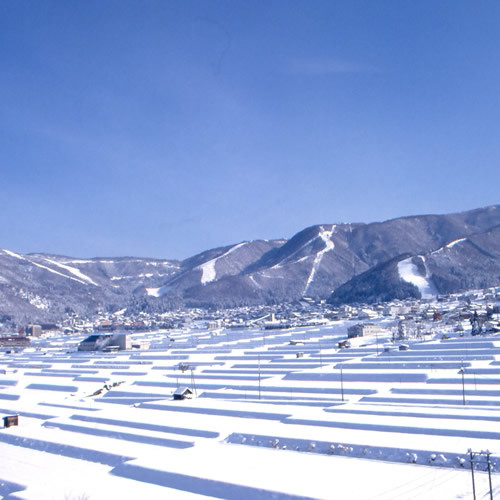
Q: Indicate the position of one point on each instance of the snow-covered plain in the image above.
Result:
(279, 414)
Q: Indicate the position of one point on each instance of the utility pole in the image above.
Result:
(462, 371)
(472, 470)
(486, 454)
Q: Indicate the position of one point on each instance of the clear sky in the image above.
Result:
(163, 128)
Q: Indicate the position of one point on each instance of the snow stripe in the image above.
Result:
(208, 268)
(73, 270)
(20, 257)
(329, 245)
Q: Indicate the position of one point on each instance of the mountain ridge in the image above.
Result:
(455, 250)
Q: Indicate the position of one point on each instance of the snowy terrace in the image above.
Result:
(281, 414)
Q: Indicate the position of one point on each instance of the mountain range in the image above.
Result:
(415, 256)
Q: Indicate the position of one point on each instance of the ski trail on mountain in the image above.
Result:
(409, 273)
(325, 235)
(208, 268)
(41, 266)
(72, 270)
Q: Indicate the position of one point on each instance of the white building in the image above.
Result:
(364, 330)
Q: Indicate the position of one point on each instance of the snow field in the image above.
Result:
(271, 420)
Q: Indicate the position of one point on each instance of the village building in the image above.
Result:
(104, 342)
(14, 343)
(34, 330)
(365, 330)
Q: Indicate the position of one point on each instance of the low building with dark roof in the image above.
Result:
(105, 341)
(183, 393)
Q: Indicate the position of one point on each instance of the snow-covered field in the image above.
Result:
(278, 414)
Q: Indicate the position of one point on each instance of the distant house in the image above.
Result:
(183, 393)
(105, 341)
(34, 330)
(364, 330)
(214, 324)
(10, 420)
(50, 327)
(14, 343)
(105, 325)
(95, 342)
(367, 314)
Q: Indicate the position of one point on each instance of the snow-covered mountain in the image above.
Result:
(462, 264)
(46, 287)
(408, 256)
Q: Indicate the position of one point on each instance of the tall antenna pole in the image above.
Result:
(192, 381)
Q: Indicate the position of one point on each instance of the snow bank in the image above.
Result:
(387, 454)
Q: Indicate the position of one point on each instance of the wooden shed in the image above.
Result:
(183, 393)
(11, 420)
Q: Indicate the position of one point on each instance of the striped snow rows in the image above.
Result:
(255, 390)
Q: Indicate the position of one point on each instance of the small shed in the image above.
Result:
(11, 420)
(183, 393)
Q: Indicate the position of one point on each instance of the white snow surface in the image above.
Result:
(453, 243)
(208, 268)
(252, 279)
(73, 270)
(13, 254)
(104, 425)
(41, 266)
(326, 236)
(449, 245)
(409, 273)
(153, 292)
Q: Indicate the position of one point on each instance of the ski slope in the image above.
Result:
(409, 273)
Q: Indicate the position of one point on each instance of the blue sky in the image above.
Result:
(164, 128)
